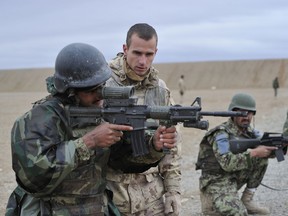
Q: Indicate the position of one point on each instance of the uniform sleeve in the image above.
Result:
(170, 167)
(285, 127)
(41, 152)
(228, 161)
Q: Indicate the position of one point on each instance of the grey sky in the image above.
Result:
(34, 31)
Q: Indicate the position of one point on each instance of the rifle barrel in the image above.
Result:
(224, 113)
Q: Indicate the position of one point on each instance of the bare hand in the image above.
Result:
(105, 135)
(262, 151)
(165, 137)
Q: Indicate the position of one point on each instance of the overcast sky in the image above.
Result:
(34, 31)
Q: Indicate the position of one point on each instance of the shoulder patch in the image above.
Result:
(222, 142)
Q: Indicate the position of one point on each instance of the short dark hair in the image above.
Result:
(143, 30)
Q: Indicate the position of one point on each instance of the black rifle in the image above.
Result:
(268, 139)
(120, 108)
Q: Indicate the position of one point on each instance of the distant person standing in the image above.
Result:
(275, 85)
(182, 88)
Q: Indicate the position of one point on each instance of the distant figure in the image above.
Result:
(275, 86)
(182, 88)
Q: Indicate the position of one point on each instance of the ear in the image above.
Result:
(125, 49)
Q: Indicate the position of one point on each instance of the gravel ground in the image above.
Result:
(271, 114)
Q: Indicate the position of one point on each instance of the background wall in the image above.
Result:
(198, 75)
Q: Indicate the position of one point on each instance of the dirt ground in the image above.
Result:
(271, 114)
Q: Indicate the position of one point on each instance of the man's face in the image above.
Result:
(243, 122)
(140, 54)
(90, 98)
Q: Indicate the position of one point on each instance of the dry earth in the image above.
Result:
(271, 114)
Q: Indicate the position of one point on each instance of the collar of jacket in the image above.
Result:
(118, 66)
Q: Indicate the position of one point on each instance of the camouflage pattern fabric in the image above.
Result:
(142, 193)
(285, 127)
(56, 173)
(54, 166)
(224, 173)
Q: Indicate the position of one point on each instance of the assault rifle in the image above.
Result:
(120, 108)
(268, 139)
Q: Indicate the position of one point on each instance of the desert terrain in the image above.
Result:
(271, 115)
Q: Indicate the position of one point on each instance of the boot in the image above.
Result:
(252, 206)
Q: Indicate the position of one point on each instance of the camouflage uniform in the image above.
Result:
(56, 173)
(53, 164)
(224, 173)
(139, 190)
(285, 127)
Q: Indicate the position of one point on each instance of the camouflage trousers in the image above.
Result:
(21, 203)
(140, 196)
(220, 196)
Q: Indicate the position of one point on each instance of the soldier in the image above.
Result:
(60, 167)
(140, 189)
(275, 85)
(224, 173)
(182, 88)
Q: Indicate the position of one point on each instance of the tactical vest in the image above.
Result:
(207, 161)
(153, 94)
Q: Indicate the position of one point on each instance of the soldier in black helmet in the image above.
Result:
(60, 169)
(225, 173)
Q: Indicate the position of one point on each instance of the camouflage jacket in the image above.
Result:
(150, 91)
(285, 127)
(52, 163)
(215, 158)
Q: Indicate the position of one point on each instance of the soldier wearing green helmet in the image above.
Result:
(60, 167)
(243, 101)
(224, 173)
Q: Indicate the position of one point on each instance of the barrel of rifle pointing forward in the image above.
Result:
(116, 92)
(225, 113)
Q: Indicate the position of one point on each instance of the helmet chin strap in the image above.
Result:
(73, 96)
(71, 92)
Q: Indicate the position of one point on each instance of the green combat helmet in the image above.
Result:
(243, 101)
(80, 65)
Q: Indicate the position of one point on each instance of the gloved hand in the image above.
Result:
(172, 203)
